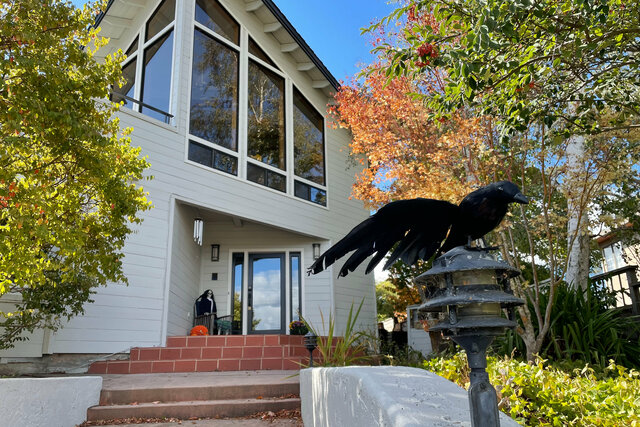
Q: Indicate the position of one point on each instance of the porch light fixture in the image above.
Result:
(316, 251)
(469, 287)
(310, 342)
(215, 252)
(198, 226)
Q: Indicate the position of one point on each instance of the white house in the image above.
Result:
(228, 103)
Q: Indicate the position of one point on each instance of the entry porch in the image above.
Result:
(255, 272)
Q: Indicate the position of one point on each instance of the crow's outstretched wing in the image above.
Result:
(420, 225)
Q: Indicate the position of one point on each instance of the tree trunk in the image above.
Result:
(577, 224)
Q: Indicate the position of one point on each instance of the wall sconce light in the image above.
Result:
(198, 226)
(316, 251)
(215, 252)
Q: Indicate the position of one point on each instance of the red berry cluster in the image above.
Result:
(427, 49)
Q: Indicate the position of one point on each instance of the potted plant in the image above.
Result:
(297, 327)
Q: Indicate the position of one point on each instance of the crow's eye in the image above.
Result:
(500, 188)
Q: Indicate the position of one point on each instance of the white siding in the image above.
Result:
(30, 348)
(185, 272)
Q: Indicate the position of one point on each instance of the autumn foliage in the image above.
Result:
(406, 153)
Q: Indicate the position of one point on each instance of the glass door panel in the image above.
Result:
(265, 305)
(237, 277)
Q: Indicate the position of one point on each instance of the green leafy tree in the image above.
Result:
(385, 298)
(68, 197)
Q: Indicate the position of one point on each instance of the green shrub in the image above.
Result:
(543, 395)
(584, 328)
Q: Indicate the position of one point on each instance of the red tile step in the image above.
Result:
(212, 353)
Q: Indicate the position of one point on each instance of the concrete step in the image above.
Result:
(189, 409)
(187, 393)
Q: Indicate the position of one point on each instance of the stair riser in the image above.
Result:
(124, 397)
(167, 366)
(200, 410)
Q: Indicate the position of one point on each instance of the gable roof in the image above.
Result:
(286, 25)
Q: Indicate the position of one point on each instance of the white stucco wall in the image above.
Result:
(383, 396)
(47, 402)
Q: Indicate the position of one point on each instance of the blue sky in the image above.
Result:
(332, 29)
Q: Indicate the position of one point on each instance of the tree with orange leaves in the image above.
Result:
(405, 151)
(406, 154)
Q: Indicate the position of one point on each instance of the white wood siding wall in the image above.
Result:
(185, 272)
(33, 347)
(121, 316)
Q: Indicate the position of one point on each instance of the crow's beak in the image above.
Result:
(521, 198)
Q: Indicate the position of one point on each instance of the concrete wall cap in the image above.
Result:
(383, 396)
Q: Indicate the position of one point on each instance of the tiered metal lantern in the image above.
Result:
(310, 342)
(471, 288)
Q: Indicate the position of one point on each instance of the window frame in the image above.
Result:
(299, 296)
(140, 35)
(242, 154)
(261, 63)
(230, 45)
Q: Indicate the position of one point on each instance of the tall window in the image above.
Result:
(266, 133)
(308, 151)
(237, 274)
(613, 257)
(214, 111)
(147, 69)
(213, 118)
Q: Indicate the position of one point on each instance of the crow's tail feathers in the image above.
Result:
(356, 239)
(420, 225)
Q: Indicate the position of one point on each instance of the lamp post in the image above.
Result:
(310, 342)
(471, 288)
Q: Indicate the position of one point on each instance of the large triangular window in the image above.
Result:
(148, 66)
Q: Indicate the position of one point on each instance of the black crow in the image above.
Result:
(420, 225)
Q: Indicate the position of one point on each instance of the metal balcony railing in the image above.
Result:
(117, 97)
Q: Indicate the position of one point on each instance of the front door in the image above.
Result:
(266, 294)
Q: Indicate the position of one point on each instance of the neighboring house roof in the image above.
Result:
(611, 237)
(286, 25)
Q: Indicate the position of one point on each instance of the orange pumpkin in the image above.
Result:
(199, 330)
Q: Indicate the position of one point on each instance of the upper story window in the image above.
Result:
(148, 66)
(308, 150)
(246, 118)
(613, 258)
(266, 141)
